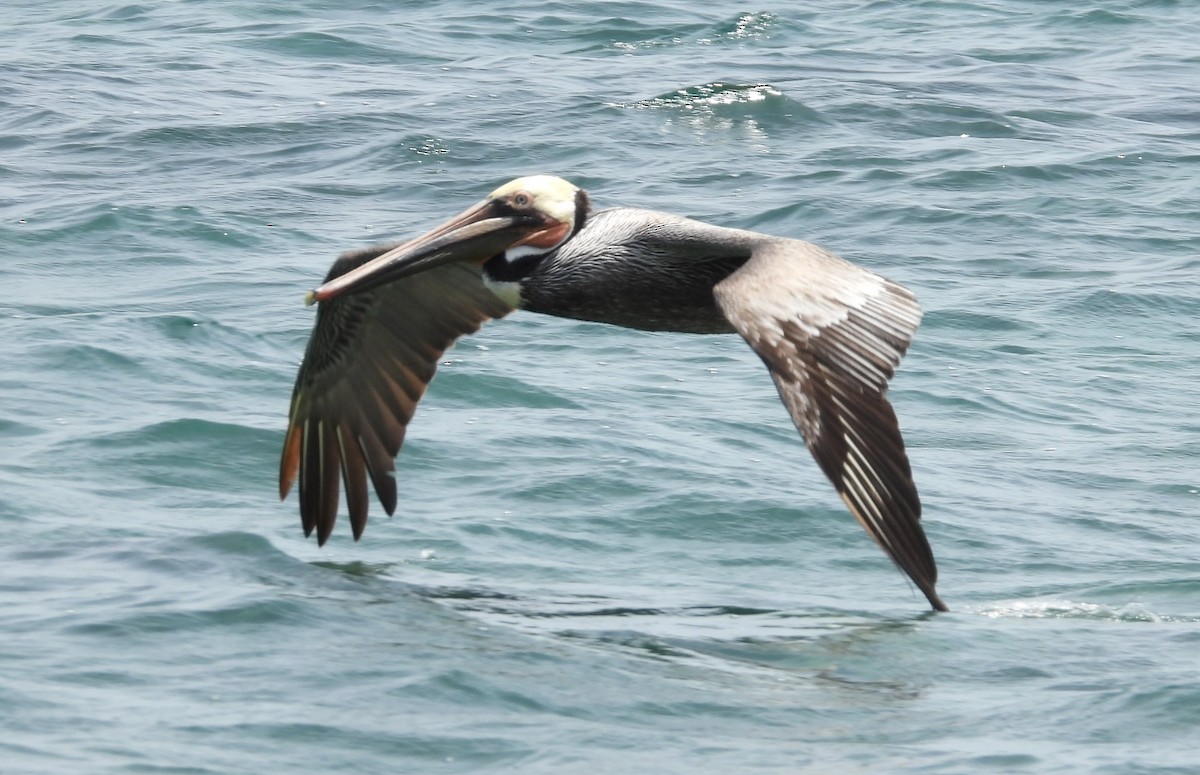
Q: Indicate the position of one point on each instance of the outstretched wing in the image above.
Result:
(368, 361)
(832, 334)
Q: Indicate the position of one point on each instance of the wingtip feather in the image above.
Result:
(289, 462)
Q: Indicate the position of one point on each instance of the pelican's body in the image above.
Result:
(636, 269)
(830, 333)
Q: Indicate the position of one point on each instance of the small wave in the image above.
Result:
(1109, 303)
(497, 390)
(752, 109)
(749, 25)
(963, 320)
(1068, 609)
(744, 28)
(12, 429)
(249, 612)
(324, 45)
(191, 453)
(182, 430)
(709, 95)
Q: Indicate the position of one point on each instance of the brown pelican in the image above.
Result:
(830, 333)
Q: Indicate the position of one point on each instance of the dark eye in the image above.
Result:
(522, 199)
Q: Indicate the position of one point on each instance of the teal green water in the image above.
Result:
(613, 553)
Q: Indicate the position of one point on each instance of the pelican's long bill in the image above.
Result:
(477, 234)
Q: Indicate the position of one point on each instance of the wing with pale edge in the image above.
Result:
(368, 362)
(831, 334)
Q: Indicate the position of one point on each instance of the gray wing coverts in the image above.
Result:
(832, 334)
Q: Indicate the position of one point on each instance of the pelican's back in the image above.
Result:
(640, 269)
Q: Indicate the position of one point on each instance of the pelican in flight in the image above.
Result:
(831, 335)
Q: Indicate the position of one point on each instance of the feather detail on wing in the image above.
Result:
(368, 362)
(832, 334)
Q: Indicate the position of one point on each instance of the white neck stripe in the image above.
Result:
(520, 251)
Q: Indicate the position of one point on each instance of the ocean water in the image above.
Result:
(612, 552)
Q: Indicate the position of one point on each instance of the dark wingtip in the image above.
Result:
(936, 601)
(358, 523)
(387, 495)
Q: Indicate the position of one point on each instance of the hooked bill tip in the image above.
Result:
(310, 298)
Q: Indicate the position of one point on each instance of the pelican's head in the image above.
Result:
(518, 223)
